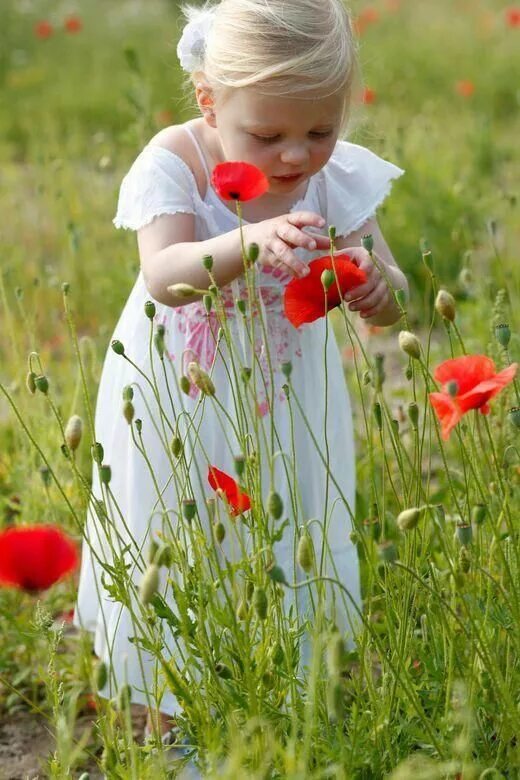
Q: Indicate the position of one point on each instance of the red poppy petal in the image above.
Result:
(447, 412)
(489, 388)
(239, 502)
(239, 181)
(468, 371)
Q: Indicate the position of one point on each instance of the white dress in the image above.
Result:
(346, 192)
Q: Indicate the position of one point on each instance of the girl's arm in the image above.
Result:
(374, 300)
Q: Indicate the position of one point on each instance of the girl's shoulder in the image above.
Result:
(176, 140)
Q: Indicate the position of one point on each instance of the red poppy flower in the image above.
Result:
(73, 24)
(477, 383)
(465, 88)
(304, 297)
(239, 502)
(33, 558)
(513, 16)
(239, 181)
(43, 30)
(368, 96)
(367, 17)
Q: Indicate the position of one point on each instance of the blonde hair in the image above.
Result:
(297, 48)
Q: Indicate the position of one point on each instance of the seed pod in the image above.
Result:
(277, 574)
(139, 425)
(149, 583)
(410, 344)
(332, 232)
(149, 309)
(253, 253)
(158, 341)
(128, 411)
(379, 372)
(124, 696)
(73, 431)
(250, 589)
(287, 369)
(305, 552)
(101, 675)
(260, 602)
(327, 279)
(478, 514)
(503, 334)
(268, 679)
(42, 384)
(128, 393)
(378, 414)
(30, 382)
(118, 347)
(274, 505)
(408, 519)
(277, 654)
(409, 372)
(219, 530)
(367, 242)
(245, 374)
(464, 560)
(334, 700)
(189, 509)
(387, 552)
(336, 655)
(464, 533)
(413, 413)
(452, 387)
(200, 378)
(242, 610)
(207, 301)
(105, 474)
(207, 262)
(185, 384)
(241, 305)
(445, 305)
(223, 671)
(176, 446)
(97, 452)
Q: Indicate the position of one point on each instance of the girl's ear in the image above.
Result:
(206, 103)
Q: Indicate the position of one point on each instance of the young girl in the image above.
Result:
(273, 82)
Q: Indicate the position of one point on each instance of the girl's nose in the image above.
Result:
(295, 155)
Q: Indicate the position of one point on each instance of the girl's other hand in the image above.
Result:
(277, 238)
(372, 296)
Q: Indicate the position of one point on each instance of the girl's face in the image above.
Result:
(289, 139)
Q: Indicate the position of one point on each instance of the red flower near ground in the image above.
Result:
(33, 558)
(43, 30)
(476, 384)
(304, 298)
(239, 502)
(513, 16)
(239, 181)
(465, 88)
(73, 24)
(368, 96)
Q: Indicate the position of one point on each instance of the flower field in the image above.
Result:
(425, 681)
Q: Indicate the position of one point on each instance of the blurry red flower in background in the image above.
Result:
(33, 558)
(368, 96)
(239, 181)
(476, 384)
(465, 88)
(367, 17)
(43, 30)
(239, 502)
(73, 24)
(304, 298)
(513, 16)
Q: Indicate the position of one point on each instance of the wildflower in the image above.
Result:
(465, 88)
(368, 96)
(513, 16)
(239, 181)
(43, 30)
(304, 297)
(73, 24)
(238, 502)
(476, 384)
(33, 558)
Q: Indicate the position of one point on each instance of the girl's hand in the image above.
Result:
(374, 295)
(279, 236)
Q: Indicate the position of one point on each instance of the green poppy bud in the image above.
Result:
(277, 574)
(97, 452)
(101, 675)
(219, 530)
(305, 552)
(287, 369)
(332, 232)
(207, 262)
(250, 589)
(42, 384)
(503, 334)
(410, 344)
(478, 514)
(253, 253)
(118, 347)
(223, 671)
(464, 560)
(128, 411)
(274, 505)
(245, 374)
(149, 309)
(176, 447)
(378, 414)
(241, 305)
(211, 506)
(73, 432)
(413, 413)
(372, 526)
(277, 654)
(367, 242)
(30, 382)
(408, 519)
(207, 300)
(128, 393)
(182, 290)
(105, 474)
(445, 305)
(408, 372)
(327, 278)
(158, 341)
(149, 583)
(138, 425)
(185, 384)
(189, 509)
(260, 602)
(395, 426)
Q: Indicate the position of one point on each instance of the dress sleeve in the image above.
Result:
(158, 182)
(357, 182)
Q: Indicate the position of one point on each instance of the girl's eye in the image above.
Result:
(322, 135)
(269, 138)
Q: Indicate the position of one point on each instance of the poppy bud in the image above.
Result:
(219, 530)
(379, 372)
(176, 447)
(128, 411)
(445, 305)
(387, 552)
(334, 700)
(185, 385)
(97, 452)
(413, 413)
(245, 374)
(242, 610)
(101, 675)
(207, 262)
(250, 589)
(336, 654)
(139, 425)
(241, 305)
(211, 506)
(165, 556)
(223, 671)
(200, 378)
(332, 232)
(395, 426)
(118, 347)
(464, 533)
(410, 344)
(105, 474)
(305, 552)
(408, 519)
(158, 341)
(124, 696)
(514, 416)
(327, 278)
(30, 382)
(189, 509)
(240, 464)
(213, 290)
(73, 431)
(287, 369)
(409, 372)
(367, 242)
(378, 414)
(260, 602)
(182, 290)
(464, 560)
(42, 384)
(253, 253)
(428, 259)
(128, 393)
(503, 334)
(277, 574)
(207, 300)
(274, 505)
(478, 514)
(65, 287)
(152, 550)
(149, 583)
(149, 309)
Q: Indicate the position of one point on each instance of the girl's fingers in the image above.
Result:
(373, 299)
(282, 252)
(291, 235)
(305, 218)
(362, 289)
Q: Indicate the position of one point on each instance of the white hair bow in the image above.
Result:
(192, 44)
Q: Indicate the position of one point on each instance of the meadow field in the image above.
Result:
(431, 688)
